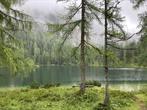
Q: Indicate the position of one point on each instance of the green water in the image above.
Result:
(123, 78)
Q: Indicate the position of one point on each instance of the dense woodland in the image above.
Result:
(43, 50)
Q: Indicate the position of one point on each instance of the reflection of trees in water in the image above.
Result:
(1, 75)
(70, 75)
(12, 82)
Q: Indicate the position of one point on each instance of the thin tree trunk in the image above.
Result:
(124, 56)
(82, 57)
(106, 99)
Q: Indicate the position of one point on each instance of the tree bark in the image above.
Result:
(106, 98)
(82, 54)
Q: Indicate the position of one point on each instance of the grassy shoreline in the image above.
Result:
(66, 98)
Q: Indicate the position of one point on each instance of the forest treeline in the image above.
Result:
(44, 49)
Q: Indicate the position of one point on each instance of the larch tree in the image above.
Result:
(106, 99)
(88, 11)
(143, 31)
(138, 3)
(142, 16)
(11, 51)
(114, 33)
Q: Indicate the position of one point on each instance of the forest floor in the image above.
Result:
(68, 98)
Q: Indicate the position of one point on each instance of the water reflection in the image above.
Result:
(123, 78)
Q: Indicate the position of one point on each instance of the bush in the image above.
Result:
(77, 98)
(34, 85)
(93, 83)
(51, 85)
(101, 106)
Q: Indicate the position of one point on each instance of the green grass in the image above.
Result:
(66, 98)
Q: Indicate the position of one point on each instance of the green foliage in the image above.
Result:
(13, 57)
(51, 85)
(77, 98)
(142, 33)
(8, 3)
(93, 83)
(101, 107)
(63, 98)
(36, 85)
(12, 52)
(70, 23)
(138, 3)
(121, 100)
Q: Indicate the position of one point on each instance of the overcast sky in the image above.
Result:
(41, 9)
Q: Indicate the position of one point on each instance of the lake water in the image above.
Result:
(122, 78)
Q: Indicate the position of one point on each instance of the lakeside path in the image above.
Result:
(142, 101)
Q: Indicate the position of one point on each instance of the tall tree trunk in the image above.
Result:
(106, 99)
(82, 57)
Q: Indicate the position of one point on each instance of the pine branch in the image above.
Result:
(20, 13)
(15, 29)
(61, 27)
(75, 50)
(138, 3)
(7, 33)
(96, 16)
(93, 7)
(97, 49)
(70, 17)
(120, 27)
(14, 18)
(69, 31)
(122, 39)
(121, 48)
(114, 7)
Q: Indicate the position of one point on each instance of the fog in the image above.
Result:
(50, 10)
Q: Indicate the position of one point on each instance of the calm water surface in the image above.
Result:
(122, 78)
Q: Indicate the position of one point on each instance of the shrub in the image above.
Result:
(51, 85)
(93, 83)
(34, 85)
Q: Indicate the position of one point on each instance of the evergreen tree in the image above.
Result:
(11, 21)
(88, 12)
(138, 3)
(142, 32)
(114, 33)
